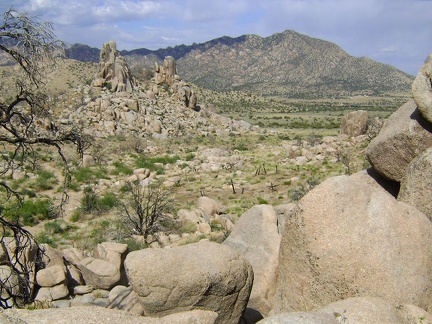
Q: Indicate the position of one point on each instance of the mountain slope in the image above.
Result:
(284, 64)
(289, 64)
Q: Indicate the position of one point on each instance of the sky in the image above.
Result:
(395, 32)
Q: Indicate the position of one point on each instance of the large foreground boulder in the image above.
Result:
(365, 310)
(405, 135)
(352, 238)
(204, 275)
(358, 310)
(256, 237)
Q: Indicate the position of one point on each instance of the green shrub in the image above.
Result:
(190, 157)
(188, 228)
(92, 203)
(89, 174)
(262, 201)
(149, 163)
(121, 168)
(76, 215)
(44, 238)
(134, 245)
(45, 180)
(89, 202)
(108, 201)
(54, 227)
(30, 212)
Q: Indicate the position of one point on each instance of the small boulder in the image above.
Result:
(210, 206)
(354, 123)
(52, 293)
(99, 273)
(51, 276)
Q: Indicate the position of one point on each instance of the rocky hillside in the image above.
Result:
(285, 64)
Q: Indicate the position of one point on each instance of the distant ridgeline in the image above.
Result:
(285, 64)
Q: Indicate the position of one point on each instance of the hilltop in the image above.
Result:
(287, 64)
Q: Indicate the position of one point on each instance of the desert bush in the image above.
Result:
(89, 174)
(144, 208)
(149, 162)
(91, 203)
(121, 168)
(45, 180)
(30, 212)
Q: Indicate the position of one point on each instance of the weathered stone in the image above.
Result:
(416, 185)
(126, 299)
(113, 69)
(301, 318)
(365, 310)
(73, 255)
(166, 73)
(422, 89)
(203, 276)
(87, 160)
(74, 276)
(99, 273)
(354, 123)
(52, 293)
(350, 238)
(404, 136)
(82, 290)
(210, 206)
(23, 267)
(256, 237)
(51, 276)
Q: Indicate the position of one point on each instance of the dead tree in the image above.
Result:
(32, 46)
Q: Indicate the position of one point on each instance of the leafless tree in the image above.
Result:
(144, 207)
(25, 124)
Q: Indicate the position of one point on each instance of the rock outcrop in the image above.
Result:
(352, 238)
(167, 73)
(201, 276)
(113, 69)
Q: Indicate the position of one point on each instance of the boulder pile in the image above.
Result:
(111, 105)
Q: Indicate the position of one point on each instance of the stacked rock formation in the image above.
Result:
(113, 69)
(167, 74)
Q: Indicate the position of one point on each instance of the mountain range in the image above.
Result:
(287, 64)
